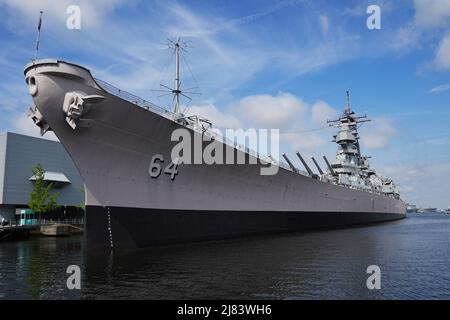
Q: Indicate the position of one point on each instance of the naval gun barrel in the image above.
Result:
(290, 163)
(317, 165)
(304, 164)
(329, 165)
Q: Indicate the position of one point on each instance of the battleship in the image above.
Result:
(113, 137)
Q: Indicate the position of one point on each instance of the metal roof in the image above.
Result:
(53, 177)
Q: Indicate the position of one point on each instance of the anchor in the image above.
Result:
(38, 119)
(76, 104)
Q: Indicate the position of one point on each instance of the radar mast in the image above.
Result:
(177, 46)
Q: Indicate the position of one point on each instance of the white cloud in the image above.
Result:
(378, 134)
(24, 125)
(218, 118)
(432, 13)
(259, 15)
(418, 183)
(442, 59)
(333, 50)
(437, 141)
(92, 12)
(301, 125)
(431, 19)
(321, 112)
(307, 141)
(324, 23)
(266, 111)
(406, 37)
(439, 89)
(143, 78)
(14, 95)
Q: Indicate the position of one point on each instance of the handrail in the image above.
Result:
(62, 221)
(132, 98)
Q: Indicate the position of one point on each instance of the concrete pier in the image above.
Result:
(52, 229)
(55, 230)
(60, 229)
(17, 232)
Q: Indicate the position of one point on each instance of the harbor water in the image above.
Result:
(413, 256)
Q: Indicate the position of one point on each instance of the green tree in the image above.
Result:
(82, 206)
(41, 198)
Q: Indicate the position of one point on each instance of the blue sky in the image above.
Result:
(280, 64)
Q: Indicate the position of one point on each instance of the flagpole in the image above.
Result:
(38, 36)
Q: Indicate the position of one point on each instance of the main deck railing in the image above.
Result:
(132, 98)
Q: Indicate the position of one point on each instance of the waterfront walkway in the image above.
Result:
(13, 231)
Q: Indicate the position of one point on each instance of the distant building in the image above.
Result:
(18, 155)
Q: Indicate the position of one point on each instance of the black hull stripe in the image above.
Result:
(131, 227)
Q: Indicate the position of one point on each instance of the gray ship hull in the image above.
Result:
(112, 148)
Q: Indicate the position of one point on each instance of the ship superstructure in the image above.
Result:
(351, 168)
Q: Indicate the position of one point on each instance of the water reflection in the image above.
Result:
(35, 268)
(412, 254)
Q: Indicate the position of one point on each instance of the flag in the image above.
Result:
(40, 22)
(38, 36)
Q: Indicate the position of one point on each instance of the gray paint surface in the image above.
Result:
(21, 154)
(7, 212)
(114, 149)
